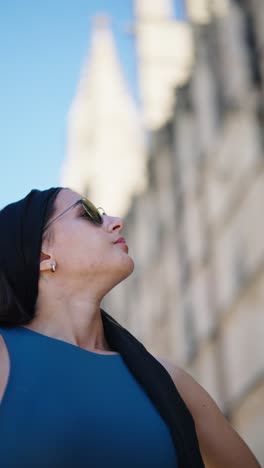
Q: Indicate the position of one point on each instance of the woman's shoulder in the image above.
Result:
(220, 444)
(3, 349)
(194, 395)
(197, 399)
(4, 366)
(176, 373)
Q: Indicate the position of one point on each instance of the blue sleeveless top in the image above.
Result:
(67, 407)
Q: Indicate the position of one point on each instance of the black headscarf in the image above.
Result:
(21, 225)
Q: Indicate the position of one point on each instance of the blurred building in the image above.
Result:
(106, 158)
(165, 57)
(196, 234)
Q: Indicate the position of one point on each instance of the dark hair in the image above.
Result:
(11, 311)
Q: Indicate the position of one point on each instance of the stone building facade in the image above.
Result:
(196, 234)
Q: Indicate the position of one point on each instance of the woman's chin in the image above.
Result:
(126, 269)
(131, 265)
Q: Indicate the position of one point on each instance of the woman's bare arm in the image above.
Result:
(220, 445)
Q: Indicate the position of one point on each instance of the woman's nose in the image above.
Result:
(114, 223)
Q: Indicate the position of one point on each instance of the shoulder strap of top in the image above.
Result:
(161, 389)
(4, 331)
(8, 336)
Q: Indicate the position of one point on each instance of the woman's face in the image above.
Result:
(84, 250)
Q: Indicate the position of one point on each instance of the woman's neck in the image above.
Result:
(76, 320)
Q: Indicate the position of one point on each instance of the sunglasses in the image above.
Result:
(90, 211)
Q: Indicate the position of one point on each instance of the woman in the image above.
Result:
(77, 389)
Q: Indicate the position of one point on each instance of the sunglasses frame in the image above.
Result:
(89, 208)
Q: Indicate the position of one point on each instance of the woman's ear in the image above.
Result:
(47, 262)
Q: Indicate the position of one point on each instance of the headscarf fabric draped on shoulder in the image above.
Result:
(21, 225)
(161, 389)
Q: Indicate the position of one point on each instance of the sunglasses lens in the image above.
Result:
(92, 211)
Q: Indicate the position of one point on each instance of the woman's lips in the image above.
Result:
(122, 242)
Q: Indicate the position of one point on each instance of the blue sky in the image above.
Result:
(42, 48)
